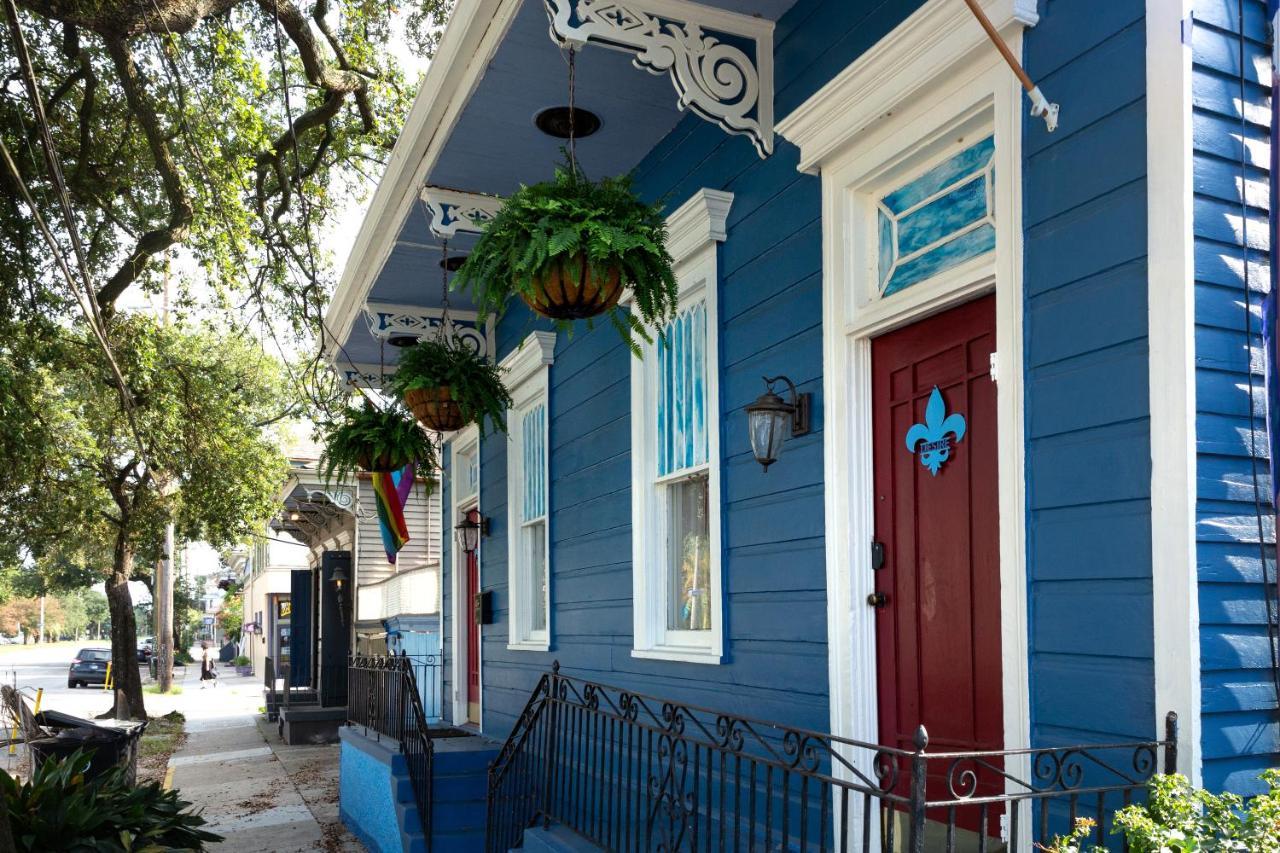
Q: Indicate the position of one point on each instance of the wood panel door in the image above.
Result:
(937, 520)
(473, 638)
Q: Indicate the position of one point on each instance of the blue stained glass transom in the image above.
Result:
(682, 392)
(533, 445)
(938, 220)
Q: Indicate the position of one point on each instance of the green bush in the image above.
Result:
(60, 810)
(241, 660)
(1179, 818)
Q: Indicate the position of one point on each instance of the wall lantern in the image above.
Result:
(769, 418)
(467, 532)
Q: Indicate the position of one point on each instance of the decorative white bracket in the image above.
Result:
(721, 63)
(453, 211)
(417, 321)
(360, 375)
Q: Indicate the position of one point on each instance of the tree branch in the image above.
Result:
(180, 210)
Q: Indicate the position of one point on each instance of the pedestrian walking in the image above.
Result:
(207, 671)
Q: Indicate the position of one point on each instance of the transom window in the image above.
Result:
(937, 220)
(676, 456)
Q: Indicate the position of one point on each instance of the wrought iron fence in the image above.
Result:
(426, 673)
(383, 698)
(631, 772)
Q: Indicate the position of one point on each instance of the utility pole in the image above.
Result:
(164, 614)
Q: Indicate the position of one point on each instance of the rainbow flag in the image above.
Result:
(392, 490)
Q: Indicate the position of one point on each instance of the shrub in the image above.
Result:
(241, 660)
(60, 810)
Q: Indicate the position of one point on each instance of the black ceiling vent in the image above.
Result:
(554, 121)
(402, 340)
(454, 262)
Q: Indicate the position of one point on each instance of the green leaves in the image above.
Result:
(543, 225)
(474, 382)
(368, 433)
(60, 810)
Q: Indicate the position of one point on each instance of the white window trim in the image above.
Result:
(916, 80)
(693, 231)
(527, 370)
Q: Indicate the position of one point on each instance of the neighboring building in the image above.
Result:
(265, 585)
(1072, 559)
(313, 624)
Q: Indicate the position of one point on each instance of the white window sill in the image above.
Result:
(683, 654)
(529, 647)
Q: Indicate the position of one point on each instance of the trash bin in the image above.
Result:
(113, 744)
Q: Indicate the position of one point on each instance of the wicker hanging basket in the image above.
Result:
(568, 290)
(381, 464)
(435, 408)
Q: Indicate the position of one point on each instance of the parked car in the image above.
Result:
(146, 648)
(89, 666)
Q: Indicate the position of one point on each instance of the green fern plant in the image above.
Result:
(474, 382)
(386, 439)
(563, 223)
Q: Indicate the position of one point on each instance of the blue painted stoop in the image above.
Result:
(555, 839)
(461, 782)
(375, 794)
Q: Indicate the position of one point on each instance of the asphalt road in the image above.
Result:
(44, 667)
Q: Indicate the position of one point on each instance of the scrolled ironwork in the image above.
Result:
(634, 772)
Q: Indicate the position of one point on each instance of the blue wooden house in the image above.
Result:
(1022, 505)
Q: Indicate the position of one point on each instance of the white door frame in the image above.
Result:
(927, 76)
(466, 440)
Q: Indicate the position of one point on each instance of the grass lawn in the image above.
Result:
(164, 735)
(12, 648)
(154, 687)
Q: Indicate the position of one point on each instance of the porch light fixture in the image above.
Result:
(769, 417)
(339, 578)
(467, 532)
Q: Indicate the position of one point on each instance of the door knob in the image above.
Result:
(878, 600)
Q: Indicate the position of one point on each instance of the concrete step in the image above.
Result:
(455, 757)
(461, 787)
(455, 817)
(556, 839)
(470, 841)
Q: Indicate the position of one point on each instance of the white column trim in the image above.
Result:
(1171, 344)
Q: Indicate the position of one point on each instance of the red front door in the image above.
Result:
(473, 640)
(937, 519)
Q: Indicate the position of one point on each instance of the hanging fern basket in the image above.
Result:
(435, 408)
(379, 464)
(570, 290)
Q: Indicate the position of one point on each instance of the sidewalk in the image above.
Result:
(253, 789)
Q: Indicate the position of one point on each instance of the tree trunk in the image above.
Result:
(124, 632)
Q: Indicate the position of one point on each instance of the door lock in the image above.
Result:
(878, 600)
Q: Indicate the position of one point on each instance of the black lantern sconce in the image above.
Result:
(468, 531)
(340, 579)
(770, 417)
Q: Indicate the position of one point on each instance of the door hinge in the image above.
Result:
(995, 366)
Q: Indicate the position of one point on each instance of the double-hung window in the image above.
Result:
(676, 455)
(527, 373)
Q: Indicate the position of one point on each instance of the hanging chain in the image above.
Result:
(442, 334)
(573, 114)
(382, 360)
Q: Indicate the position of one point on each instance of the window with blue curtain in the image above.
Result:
(682, 392)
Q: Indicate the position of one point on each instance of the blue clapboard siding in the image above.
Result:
(1238, 703)
(1086, 361)
(770, 310)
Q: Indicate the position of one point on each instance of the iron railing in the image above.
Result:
(631, 772)
(382, 697)
(426, 673)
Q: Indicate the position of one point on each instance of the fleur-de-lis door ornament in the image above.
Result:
(930, 438)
